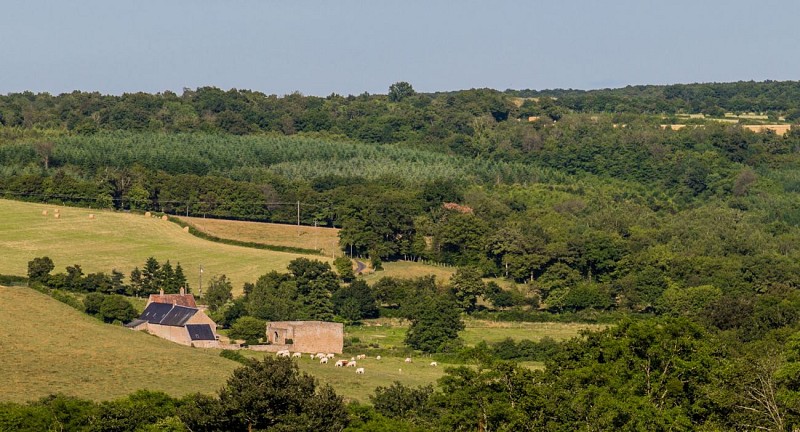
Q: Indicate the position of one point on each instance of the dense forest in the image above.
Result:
(579, 199)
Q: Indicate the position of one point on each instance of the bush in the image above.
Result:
(248, 328)
(116, 308)
(233, 355)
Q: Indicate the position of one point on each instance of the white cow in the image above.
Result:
(283, 353)
(297, 355)
(351, 364)
(320, 355)
(341, 363)
(331, 355)
(408, 360)
(434, 364)
(323, 360)
(378, 358)
(361, 357)
(360, 371)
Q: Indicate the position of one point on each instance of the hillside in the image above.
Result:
(52, 348)
(122, 241)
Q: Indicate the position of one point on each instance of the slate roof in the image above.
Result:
(135, 323)
(178, 316)
(167, 314)
(199, 332)
(155, 312)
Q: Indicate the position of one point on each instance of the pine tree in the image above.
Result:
(151, 276)
(180, 278)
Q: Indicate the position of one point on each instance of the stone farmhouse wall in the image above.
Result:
(307, 336)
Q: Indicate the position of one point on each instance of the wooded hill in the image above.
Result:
(594, 214)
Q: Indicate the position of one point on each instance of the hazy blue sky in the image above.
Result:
(348, 47)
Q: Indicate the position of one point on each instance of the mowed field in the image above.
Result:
(49, 347)
(122, 241)
(325, 240)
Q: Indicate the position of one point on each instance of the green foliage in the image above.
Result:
(116, 308)
(355, 302)
(39, 269)
(274, 394)
(233, 355)
(399, 401)
(250, 329)
(344, 266)
(218, 292)
(467, 285)
(435, 323)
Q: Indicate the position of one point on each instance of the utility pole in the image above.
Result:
(201, 282)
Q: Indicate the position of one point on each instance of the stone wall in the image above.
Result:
(307, 336)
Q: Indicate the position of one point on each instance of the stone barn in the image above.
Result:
(179, 324)
(306, 336)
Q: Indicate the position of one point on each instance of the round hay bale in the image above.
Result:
(148, 214)
(186, 229)
(44, 212)
(164, 217)
(91, 216)
(56, 215)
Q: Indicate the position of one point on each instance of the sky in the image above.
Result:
(352, 47)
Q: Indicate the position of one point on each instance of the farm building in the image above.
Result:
(180, 324)
(306, 336)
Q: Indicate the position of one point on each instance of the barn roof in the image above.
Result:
(155, 312)
(200, 332)
(178, 316)
(167, 314)
(176, 299)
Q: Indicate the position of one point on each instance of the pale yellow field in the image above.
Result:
(116, 240)
(324, 239)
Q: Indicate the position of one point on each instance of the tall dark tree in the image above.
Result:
(435, 323)
(274, 395)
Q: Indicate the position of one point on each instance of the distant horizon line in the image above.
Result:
(553, 89)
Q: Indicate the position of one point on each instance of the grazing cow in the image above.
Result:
(341, 363)
(434, 364)
(361, 357)
(408, 360)
(320, 355)
(311, 356)
(283, 353)
(331, 355)
(351, 364)
(297, 355)
(323, 360)
(378, 358)
(360, 371)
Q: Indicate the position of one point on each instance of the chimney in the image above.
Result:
(183, 291)
(161, 291)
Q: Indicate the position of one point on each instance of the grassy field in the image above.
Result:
(409, 269)
(53, 348)
(116, 240)
(389, 333)
(318, 238)
(49, 347)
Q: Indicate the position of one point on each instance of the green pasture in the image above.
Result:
(122, 241)
(48, 347)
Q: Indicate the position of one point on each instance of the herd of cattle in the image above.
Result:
(323, 359)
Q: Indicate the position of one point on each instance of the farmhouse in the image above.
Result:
(306, 336)
(176, 323)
